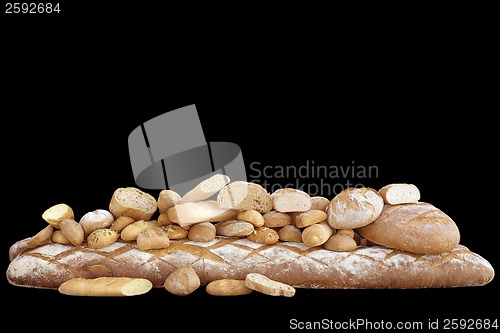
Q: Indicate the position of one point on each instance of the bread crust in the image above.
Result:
(415, 227)
(293, 263)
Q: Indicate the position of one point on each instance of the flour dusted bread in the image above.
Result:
(293, 263)
(273, 243)
(416, 227)
(354, 207)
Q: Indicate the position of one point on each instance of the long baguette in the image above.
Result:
(105, 286)
(293, 263)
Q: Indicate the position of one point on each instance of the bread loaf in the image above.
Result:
(414, 227)
(293, 263)
(105, 286)
(354, 207)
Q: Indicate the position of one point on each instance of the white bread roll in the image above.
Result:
(399, 193)
(241, 195)
(354, 207)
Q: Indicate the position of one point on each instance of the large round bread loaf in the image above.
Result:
(413, 227)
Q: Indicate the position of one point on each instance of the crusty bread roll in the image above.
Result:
(241, 195)
(414, 227)
(182, 281)
(99, 218)
(293, 263)
(167, 199)
(58, 213)
(133, 202)
(354, 207)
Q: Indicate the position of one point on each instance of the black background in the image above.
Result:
(415, 100)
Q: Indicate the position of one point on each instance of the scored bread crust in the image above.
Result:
(293, 263)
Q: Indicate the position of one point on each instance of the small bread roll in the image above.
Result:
(99, 218)
(59, 238)
(252, 216)
(234, 228)
(175, 231)
(121, 222)
(163, 219)
(264, 235)
(202, 232)
(100, 238)
(274, 219)
(400, 193)
(152, 239)
(130, 232)
(73, 231)
(354, 208)
(183, 281)
(340, 242)
(167, 199)
(310, 217)
(319, 203)
(317, 234)
(290, 233)
(57, 213)
(133, 202)
(290, 200)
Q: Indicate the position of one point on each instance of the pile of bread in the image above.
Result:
(391, 216)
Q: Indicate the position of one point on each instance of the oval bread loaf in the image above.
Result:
(414, 227)
(354, 207)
